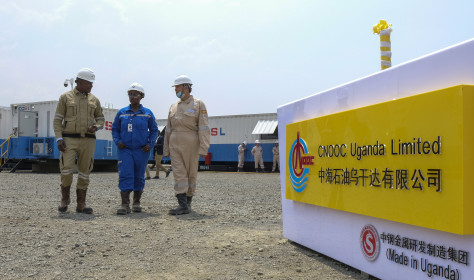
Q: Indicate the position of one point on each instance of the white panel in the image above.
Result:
(265, 127)
(106, 132)
(5, 122)
(337, 233)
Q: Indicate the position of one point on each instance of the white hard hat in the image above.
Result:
(86, 74)
(257, 141)
(137, 87)
(244, 142)
(276, 142)
(182, 79)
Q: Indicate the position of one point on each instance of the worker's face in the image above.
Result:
(258, 144)
(178, 88)
(135, 96)
(83, 85)
(184, 89)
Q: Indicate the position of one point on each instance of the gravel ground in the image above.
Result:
(234, 232)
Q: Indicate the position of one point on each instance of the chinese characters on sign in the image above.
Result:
(430, 249)
(400, 179)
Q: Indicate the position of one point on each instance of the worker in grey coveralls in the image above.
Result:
(78, 116)
(276, 157)
(187, 138)
(257, 153)
(242, 150)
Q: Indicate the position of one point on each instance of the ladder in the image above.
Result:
(109, 148)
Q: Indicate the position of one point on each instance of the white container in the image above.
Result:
(234, 129)
(45, 111)
(5, 122)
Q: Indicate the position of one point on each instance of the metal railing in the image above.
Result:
(4, 154)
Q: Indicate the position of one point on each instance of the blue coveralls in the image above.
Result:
(132, 160)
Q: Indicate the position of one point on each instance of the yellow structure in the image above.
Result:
(383, 29)
(408, 160)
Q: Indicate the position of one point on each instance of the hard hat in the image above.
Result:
(244, 142)
(182, 79)
(257, 141)
(276, 142)
(86, 74)
(137, 87)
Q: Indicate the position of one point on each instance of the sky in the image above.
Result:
(243, 56)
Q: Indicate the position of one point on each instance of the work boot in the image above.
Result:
(125, 206)
(168, 173)
(183, 205)
(188, 200)
(81, 202)
(136, 202)
(65, 198)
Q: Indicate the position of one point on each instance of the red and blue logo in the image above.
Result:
(298, 159)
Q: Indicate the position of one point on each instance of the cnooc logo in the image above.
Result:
(297, 160)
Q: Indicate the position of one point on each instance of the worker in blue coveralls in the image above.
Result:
(134, 132)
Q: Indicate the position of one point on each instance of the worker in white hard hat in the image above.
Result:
(257, 153)
(276, 157)
(134, 131)
(242, 149)
(78, 116)
(187, 138)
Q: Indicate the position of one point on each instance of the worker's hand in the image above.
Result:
(146, 148)
(61, 146)
(121, 145)
(168, 155)
(202, 156)
(92, 129)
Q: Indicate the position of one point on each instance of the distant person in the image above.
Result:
(242, 149)
(78, 116)
(159, 154)
(276, 157)
(257, 153)
(134, 131)
(147, 172)
(187, 138)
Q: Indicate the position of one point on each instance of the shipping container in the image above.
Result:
(34, 141)
(228, 132)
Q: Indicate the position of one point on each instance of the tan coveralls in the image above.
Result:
(187, 136)
(241, 155)
(75, 113)
(257, 153)
(276, 158)
(158, 165)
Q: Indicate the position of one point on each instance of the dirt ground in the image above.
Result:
(234, 232)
